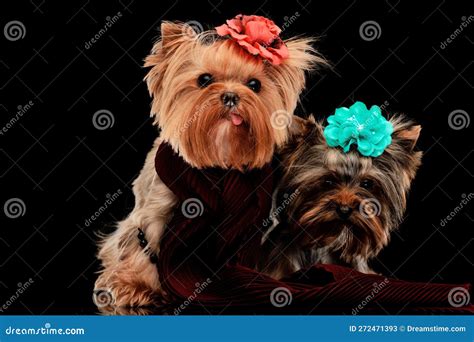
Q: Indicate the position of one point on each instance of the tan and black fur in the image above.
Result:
(194, 121)
(312, 227)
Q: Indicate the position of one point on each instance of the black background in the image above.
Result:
(62, 167)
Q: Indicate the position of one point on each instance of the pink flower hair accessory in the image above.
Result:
(258, 35)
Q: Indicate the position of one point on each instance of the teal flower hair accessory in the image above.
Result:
(358, 125)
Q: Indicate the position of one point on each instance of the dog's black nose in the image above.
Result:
(230, 99)
(344, 211)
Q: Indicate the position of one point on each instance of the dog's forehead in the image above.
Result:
(225, 59)
(346, 164)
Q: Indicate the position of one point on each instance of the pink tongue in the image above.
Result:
(236, 119)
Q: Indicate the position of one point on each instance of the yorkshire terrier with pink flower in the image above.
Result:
(215, 97)
(224, 103)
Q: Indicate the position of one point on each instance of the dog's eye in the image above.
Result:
(327, 183)
(367, 184)
(204, 80)
(254, 84)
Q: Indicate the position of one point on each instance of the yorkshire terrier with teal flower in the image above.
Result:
(351, 178)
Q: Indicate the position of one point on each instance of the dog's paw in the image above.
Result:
(112, 291)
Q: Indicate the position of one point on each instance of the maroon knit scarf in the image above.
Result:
(208, 256)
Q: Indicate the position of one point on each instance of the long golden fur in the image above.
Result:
(196, 124)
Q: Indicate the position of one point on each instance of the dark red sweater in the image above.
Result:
(207, 263)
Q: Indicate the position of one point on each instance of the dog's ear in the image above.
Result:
(401, 154)
(308, 130)
(171, 44)
(290, 74)
(171, 34)
(409, 136)
(316, 134)
(300, 127)
(405, 132)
